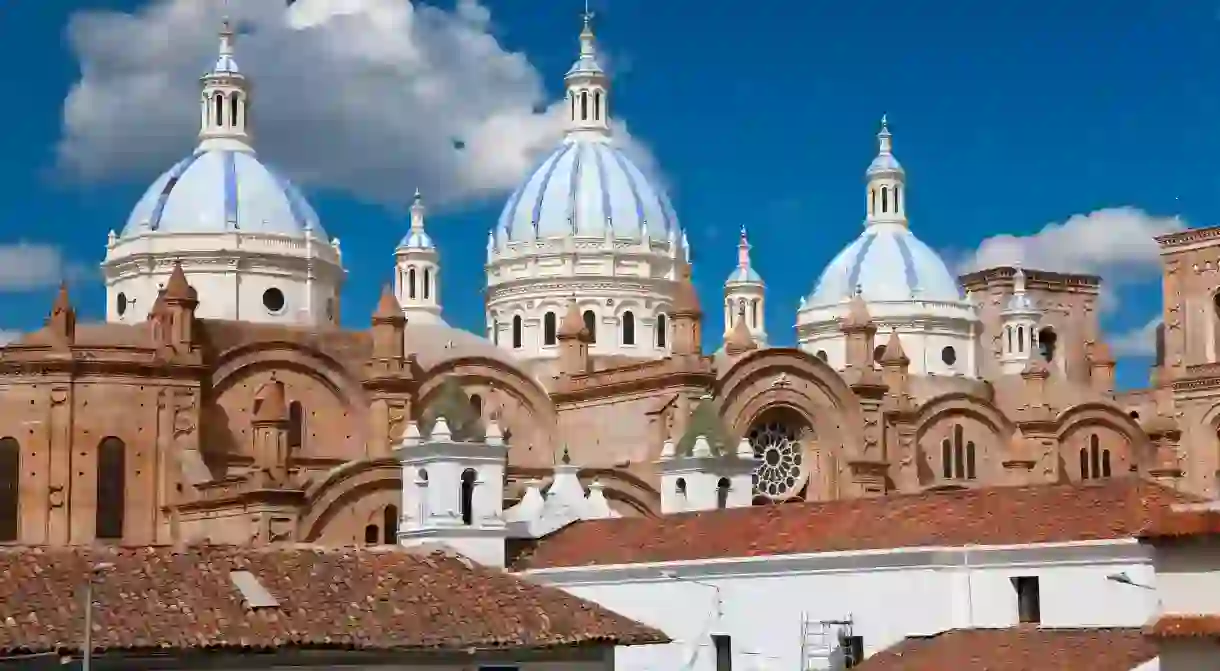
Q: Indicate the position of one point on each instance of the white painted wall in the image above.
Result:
(888, 595)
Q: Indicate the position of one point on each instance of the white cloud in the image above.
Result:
(25, 266)
(1116, 243)
(7, 337)
(1137, 342)
(368, 97)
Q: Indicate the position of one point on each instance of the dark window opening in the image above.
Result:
(878, 352)
(10, 488)
(949, 356)
(410, 283)
(273, 300)
(233, 106)
(853, 651)
(958, 456)
(549, 328)
(219, 104)
(111, 489)
(662, 330)
(371, 532)
(1046, 340)
(597, 106)
(476, 405)
(723, 645)
(591, 325)
(1094, 461)
(628, 328)
(885, 199)
(1029, 601)
(427, 283)
(1020, 339)
(296, 424)
(897, 199)
(722, 493)
(467, 502)
(517, 334)
(389, 524)
(584, 105)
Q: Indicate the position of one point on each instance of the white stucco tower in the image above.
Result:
(1019, 322)
(906, 286)
(586, 225)
(247, 240)
(745, 294)
(417, 278)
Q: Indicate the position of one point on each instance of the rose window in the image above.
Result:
(780, 470)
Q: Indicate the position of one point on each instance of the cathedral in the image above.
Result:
(221, 400)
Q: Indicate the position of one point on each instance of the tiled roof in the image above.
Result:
(1185, 626)
(992, 516)
(1017, 649)
(1183, 521)
(369, 599)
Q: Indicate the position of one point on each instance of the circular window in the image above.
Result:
(949, 356)
(273, 300)
(120, 303)
(822, 355)
(878, 353)
(779, 470)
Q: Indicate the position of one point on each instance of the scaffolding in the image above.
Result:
(823, 644)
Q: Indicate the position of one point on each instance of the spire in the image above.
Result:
(388, 310)
(588, 87)
(417, 212)
(886, 195)
(743, 249)
(224, 117)
(745, 287)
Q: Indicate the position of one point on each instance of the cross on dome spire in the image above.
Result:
(225, 101)
(587, 86)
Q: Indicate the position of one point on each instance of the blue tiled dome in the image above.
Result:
(886, 263)
(582, 188)
(217, 190)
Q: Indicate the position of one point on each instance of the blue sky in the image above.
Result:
(1008, 117)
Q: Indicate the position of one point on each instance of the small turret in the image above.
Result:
(706, 469)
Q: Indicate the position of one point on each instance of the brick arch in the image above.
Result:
(1116, 432)
(232, 363)
(977, 436)
(503, 377)
(335, 408)
(377, 482)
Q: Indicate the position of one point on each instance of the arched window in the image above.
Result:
(662, 331)
(897, 197)
(296, 424)
(584, 105)
(1094, 461)
(111, 489)
(10, 488)
(548, 328)
(389, 525)
(495, 332)
(957, 456)
(572, 98)
(597, 105)
(476, 405)
(1020, 338)
(427, 283)
(885, 199)
(722, 493)
(219, 103)
(411, 282)
(591, 325)
(628, 328)
(517, 332)
(233, 104)
(754, 313)
(1008, 334)
(467, 494)
(371, 532)
(872, 201)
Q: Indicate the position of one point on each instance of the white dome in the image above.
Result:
(887, 263)
(222, 190)
(584, 187)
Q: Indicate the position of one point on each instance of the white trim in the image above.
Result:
(1091, 553)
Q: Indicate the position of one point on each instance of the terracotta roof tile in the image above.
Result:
(374, 599)
(1185, 626)
(1182, 522)
(1018, 649)
(1034, 514)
